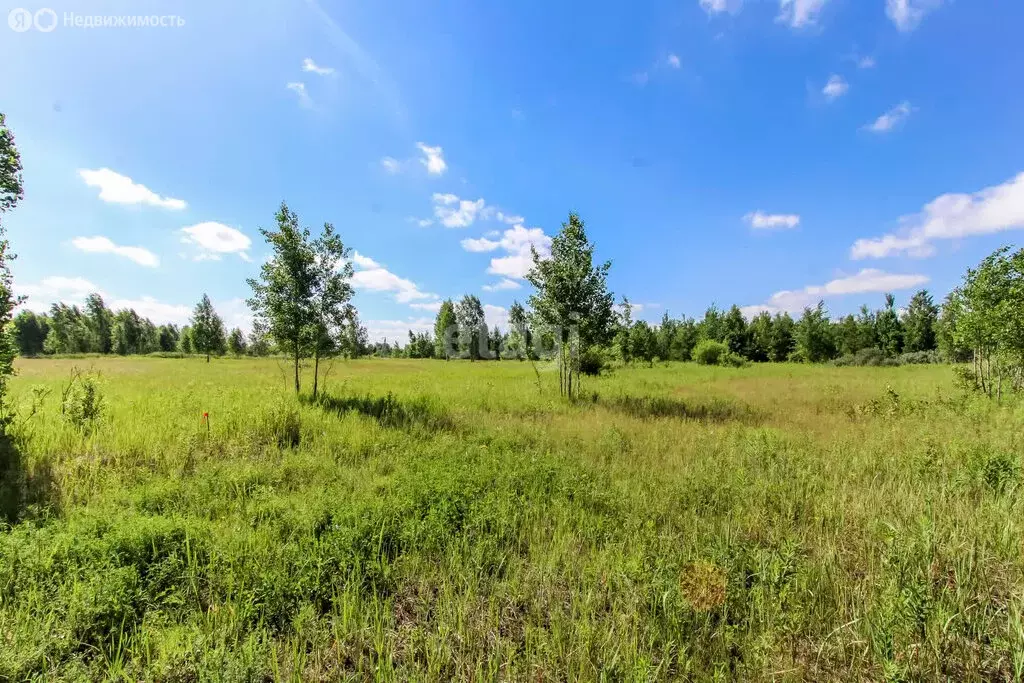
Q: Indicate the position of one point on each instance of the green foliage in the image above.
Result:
(30, 332)
(446, 330)
(709, 352)
(571, 299)
(643, 342)
(737, 334)
(282, 298)
(11, 188)
(82, 400)
(986, 314)
(185, 344)
(919, 323)
(889, 328)
(207, 329)
(594, 360)
(469, 315)
(624, 331)
(236, 342)
(10, 193)
(815, 340)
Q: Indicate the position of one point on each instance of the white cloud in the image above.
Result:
(391, 165)
(433, 159)
(364, 261)
(866, 281)
(312, 67)
(432, 306)
(907, 14)
(516, 241)
(713, 7)
(951, 216)
(72, 291)
(120, 189)
(215, 239)
(866, 63)
(374, 277)
(300, 90)
(496, 315)
(103, 245)
(453, 212)
(157, 311)
(799, 13)
(640, 78)
(769, 221)
(892, 118)
(502, 285)
(673, 61)
(396, 330)
(53, 289)
(835, 88)
(481, 244)
(510, 219)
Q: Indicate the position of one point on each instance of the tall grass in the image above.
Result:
(433, 520)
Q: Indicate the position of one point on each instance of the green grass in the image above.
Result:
(438, 521)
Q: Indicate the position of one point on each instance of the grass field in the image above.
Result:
(773, 522)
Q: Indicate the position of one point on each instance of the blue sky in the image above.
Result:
(764, 153)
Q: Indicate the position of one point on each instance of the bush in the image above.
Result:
(875, 357)
(709, 352)
(733, 360)
(82, 400)
(920, 358)
(593, 361)
(865, 357)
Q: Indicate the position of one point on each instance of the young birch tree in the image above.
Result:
(332, 292)
(572, 300)
(282, 297)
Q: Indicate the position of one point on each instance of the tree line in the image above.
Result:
(95, 328)
(302, 308)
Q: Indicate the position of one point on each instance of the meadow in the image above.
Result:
(432, 520)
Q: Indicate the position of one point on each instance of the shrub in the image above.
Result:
(593, 361)
(82, 400)
(733, 360)
(709, 352)
(920, 358)
(872, 357)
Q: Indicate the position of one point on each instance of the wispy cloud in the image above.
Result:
(907, 14)
(891, 119)
(800, 13)
(713, 7)
(310, 66)
(300, 89)
(760, 220)
(502, 285)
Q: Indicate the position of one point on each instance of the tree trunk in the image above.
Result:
(296, 368)
(316, 372)
(207, 356)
